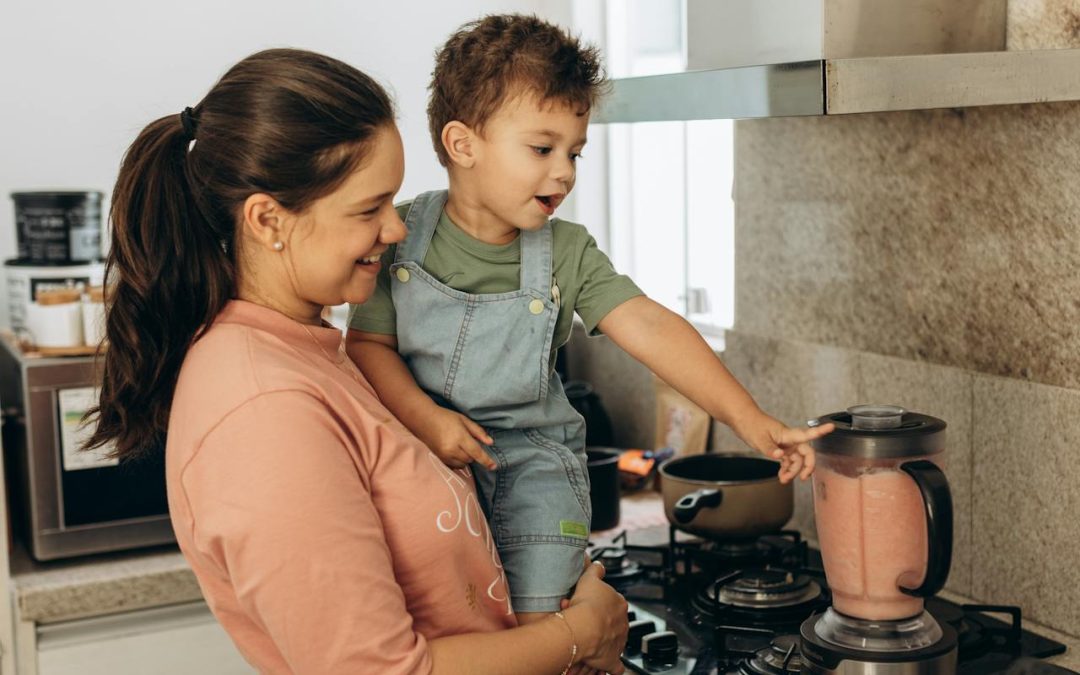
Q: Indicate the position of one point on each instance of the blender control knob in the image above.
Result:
(638, 630)
(660, 649)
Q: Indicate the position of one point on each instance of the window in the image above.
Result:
(668, 187)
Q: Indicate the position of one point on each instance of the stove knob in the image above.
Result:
(638, 630)
(660, 649)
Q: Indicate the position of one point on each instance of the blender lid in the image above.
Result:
(878, 431)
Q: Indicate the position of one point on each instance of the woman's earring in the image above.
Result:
(279, 245)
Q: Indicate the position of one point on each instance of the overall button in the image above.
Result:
(536, 306)
(402, 274)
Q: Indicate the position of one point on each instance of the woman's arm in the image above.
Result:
(596, 619)
(283, 525)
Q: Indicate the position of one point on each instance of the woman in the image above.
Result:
(325, 537)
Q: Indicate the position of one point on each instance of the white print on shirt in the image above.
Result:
(470, 513)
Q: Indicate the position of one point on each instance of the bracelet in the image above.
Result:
(573, 643)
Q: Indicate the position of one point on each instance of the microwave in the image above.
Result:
(65, 501)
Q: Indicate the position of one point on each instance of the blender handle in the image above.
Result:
(939, 525)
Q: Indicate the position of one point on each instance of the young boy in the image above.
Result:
(459, 337)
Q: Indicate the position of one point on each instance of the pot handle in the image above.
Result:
(939, 525)
(688, 505)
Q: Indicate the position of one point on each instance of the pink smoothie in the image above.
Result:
(872, 531)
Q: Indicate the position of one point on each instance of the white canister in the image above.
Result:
(24, 281)
(55, 319)
(93, 316)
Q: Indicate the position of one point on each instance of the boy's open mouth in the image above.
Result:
(549, 202)
(369, 260)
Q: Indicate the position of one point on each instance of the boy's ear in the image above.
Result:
(458, 140)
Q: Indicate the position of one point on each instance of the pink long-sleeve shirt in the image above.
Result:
(325, 537)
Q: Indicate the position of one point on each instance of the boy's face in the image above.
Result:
(526, 158)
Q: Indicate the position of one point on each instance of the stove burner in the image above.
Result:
(764, 588)
(781, 657)
(784, 548)
(728, 602)
(618, 568)
(764, 597)
(976, 637)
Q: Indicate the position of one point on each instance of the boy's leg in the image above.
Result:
(537, 502)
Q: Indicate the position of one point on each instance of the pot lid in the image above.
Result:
(876, 431)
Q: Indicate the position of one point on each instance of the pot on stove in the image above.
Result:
(723, 496)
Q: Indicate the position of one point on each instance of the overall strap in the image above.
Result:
(421, 220)
(536, 260)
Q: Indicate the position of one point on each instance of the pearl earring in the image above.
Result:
(279, 245)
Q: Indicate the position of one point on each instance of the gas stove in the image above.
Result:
(702, 607)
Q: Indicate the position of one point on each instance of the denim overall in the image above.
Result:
(487, 356)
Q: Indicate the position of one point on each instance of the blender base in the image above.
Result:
(823, 658)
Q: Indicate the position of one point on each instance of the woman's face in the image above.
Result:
(335, 244)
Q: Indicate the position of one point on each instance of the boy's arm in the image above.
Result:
(673, 349)
(452, 436)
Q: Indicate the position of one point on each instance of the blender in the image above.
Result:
(884, 519)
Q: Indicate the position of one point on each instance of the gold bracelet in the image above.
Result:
(573, 643)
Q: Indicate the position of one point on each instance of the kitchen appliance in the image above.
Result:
(884, 520)
(604, 492)
(778, 58)
(704, 606)
(67, 501)
(725, 495)
(26, 278)
(58, 228)
(584, 399)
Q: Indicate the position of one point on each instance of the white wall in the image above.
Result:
(79, 79)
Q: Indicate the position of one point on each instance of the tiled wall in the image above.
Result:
(929, 259)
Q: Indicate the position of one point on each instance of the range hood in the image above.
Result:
(783, 58)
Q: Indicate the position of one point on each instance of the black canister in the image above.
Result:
(604, 494)
(583, 399)
(58, 227)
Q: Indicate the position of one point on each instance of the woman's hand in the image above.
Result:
(597, 615)
(455, 439)
(790, 446)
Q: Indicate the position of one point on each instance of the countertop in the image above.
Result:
(102, 584)
(106, 584)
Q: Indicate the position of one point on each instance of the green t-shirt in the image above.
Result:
(588, 283)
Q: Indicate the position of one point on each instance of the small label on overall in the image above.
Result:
(570, 528)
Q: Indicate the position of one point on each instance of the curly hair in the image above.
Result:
(499, 57)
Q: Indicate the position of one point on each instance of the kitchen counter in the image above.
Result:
(112, 583)
(97, 585)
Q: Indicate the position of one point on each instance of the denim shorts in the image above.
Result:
(537, 503)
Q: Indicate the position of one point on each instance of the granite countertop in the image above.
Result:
(102, 584)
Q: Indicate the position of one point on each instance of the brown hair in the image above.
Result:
(290, 123)
(500, 56)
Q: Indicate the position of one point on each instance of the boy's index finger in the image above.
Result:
(478, 454)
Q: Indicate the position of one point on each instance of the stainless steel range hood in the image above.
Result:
(841, 57)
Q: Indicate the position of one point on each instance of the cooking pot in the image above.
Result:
(716, 495)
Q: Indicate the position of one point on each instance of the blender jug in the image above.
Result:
(884, 520)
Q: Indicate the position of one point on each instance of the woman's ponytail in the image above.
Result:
(169, 272)
(289, 123)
